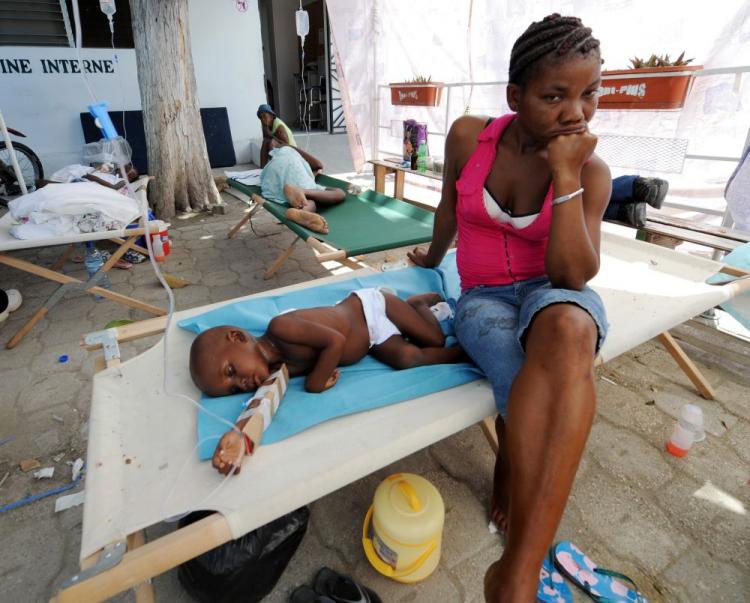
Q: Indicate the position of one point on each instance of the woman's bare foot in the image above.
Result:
(295, 196)
(308, 219)
(503, 583)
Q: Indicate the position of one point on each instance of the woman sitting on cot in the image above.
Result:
(525, 194)
(289, 178)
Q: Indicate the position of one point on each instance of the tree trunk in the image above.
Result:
(177, 154)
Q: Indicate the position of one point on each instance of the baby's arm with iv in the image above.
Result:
(250, 425)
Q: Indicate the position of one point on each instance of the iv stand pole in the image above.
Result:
(14, 161)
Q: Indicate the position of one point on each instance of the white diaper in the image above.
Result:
(379, 325)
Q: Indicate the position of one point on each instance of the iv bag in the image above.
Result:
(302, 20)
(107, 7)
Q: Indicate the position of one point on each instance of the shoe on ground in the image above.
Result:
(650, 190)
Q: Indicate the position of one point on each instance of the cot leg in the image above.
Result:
(63, 258)
(119, 252)
(236, 228)
(280, 262)
(488, 427)
(149, 560)
(687, 366)
(379, 178)
(398, 184)
(144, 592)
(134, 247)
(24, 330)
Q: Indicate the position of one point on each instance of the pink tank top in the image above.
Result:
(492, 253)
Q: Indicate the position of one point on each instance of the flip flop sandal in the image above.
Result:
(552, 587)
(342, 589)
(603, 586)
(123, 264)
(305, 594)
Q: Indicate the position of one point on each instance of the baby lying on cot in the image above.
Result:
(315, 341)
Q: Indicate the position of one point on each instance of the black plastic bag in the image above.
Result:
(245, 569)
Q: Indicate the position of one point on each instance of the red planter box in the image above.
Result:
(640, 89)
(424, 95)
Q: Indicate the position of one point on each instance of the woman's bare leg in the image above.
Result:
(550, 411)
(308, 219)
(500, 480)
(328, 196)
(296, 197)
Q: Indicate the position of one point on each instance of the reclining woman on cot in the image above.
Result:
(525, 195)
(289, 178)
(314, 342)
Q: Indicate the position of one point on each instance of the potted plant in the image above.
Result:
(420, 91)
(656, 83)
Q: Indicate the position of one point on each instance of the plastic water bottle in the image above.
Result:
(422, 157)
(157, 247)
(93, 261)
(687, 430)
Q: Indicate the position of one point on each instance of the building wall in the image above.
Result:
(45, 104)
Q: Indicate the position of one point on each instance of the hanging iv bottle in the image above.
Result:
(107, 7)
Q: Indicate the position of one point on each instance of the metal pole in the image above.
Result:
(13, 160)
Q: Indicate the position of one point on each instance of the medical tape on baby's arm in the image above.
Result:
(262, 407)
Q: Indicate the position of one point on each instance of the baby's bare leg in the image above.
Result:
(400, 354)
(415, 321)
(422, 303)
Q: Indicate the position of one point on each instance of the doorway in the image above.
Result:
(301, 87)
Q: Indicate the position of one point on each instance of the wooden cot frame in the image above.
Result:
(67, 282)
(143, 561)
(323, 251)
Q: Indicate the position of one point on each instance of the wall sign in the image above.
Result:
(55, 66)
(241, 5)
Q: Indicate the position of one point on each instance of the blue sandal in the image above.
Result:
(552, 587)
(603, 586)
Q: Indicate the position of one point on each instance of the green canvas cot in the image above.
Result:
(361, 224)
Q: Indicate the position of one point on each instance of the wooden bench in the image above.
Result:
(382, 167)
(715, 237)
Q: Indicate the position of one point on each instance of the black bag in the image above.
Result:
(245, 569)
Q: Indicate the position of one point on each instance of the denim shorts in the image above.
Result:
(491, 324)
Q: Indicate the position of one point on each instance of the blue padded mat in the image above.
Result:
(366, 385)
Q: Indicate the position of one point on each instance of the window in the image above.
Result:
(50, 23)
(33, 23)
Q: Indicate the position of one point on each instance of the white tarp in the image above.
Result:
(382, 41)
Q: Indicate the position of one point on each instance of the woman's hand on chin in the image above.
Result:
(567, 153)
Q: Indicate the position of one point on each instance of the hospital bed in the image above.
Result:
(361, 224)
(125, 238)
(142, 464)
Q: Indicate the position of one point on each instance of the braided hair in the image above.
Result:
(553, 36)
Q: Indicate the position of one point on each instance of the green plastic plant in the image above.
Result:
(659, 61)
(420, 79)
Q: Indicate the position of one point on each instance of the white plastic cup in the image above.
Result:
(688, 430)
